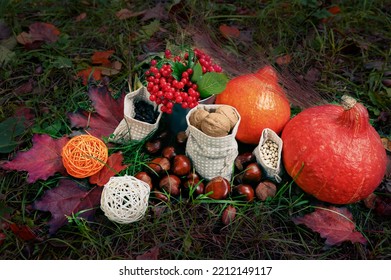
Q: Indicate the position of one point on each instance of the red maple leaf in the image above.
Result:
(68, 199)
(42, 160)
(102, 57)
(334, 224)
(91, 72)
(24, 232)
(109, 113)
(112, 167)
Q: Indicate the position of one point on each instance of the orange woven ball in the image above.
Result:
(84, 155)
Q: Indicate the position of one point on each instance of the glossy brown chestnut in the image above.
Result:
(160, 165)
(243, 160)
(245, 191)
(160, 196)
(181, 137)
(181, 165)
(265, 189)
(219, 188)
(194, 183)
(171, 184)
(169, 152)
(143, 176)
(229, 214)
(153, 146)
(252, 174)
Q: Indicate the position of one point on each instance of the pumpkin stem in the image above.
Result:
(348, 102)
(355, 115)
(268, 74)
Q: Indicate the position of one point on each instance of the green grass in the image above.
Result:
(341, 50)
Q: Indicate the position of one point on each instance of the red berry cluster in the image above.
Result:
(164, 89)
(206, 62)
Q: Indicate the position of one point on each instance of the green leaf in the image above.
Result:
(177, 69)
(212, 83)
(197, 73)
(5, 55)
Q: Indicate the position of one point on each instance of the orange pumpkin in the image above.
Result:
(260, 101)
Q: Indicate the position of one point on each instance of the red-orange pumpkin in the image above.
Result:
(260, 101)
(333, 153)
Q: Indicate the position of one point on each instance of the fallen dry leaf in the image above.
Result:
(109, 113)
(67, 199)
(81, 17)
(284, 59)
(334, 224)
(112, 167)
(23, 232)
(229, 31)
(91, 72)
(42, 160)
(102, 57)
(126, 13)
(152, 254)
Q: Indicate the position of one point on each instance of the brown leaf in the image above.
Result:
(102, 57)
(91, 72)
(152, 254)
(41, 31)
(386, 143)
(24, 38)
(112, 167)
(334, 224)
(81, 17)
(229, 31)
(27, 87)
(126, 13)
(284, 59)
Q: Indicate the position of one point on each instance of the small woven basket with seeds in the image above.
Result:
(268, 154)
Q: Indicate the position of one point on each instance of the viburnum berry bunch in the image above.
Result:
(183, 79)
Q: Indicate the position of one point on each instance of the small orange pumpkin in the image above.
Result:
(260, 101)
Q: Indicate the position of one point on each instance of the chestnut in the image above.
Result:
(229, 214)
(252, 174)
(245, 191)
(143, 176)
(169, 152)
(153, 146)
(171, 184)
(194, 183)
(242, 160)
(181, 137)
(265, 190)
(160, 196)
(159, 165)
(219, 188)
(181, 165)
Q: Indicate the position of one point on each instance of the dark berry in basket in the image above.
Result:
(145, 112)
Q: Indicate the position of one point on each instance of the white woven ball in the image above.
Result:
(125, 199)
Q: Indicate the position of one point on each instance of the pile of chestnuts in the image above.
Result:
(170, 173)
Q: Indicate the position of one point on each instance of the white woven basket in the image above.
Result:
(125, 199)
(270, 172)
(130, 128)
(212, 156)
